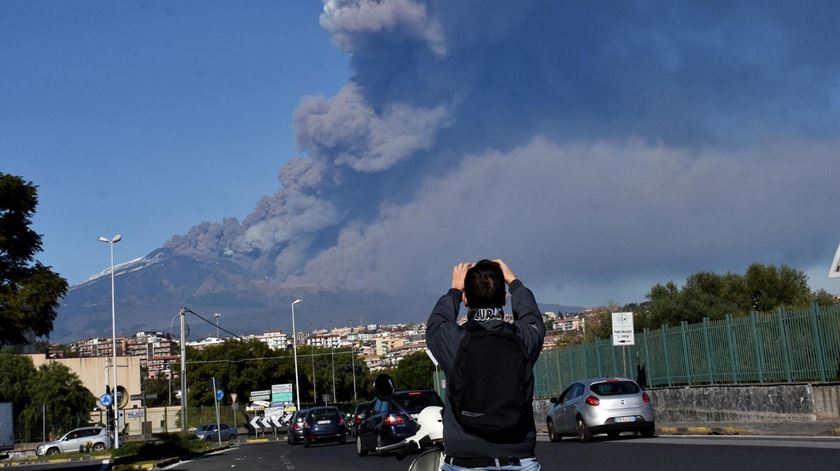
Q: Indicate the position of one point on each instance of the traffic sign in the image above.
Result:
(622, 329)
(263, 395)
(220, 395)
(105, 400)
(233, 397)
(255, 423)
(281, 393)
(834, 271)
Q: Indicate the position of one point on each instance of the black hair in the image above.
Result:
(484, 285)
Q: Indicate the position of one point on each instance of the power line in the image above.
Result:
(213, 324)
(267, 358)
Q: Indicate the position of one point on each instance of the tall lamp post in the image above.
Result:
(294, 347)
(111, 243)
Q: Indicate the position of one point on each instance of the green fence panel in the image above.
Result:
(790, 345)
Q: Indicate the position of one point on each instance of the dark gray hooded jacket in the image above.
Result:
(444, 335)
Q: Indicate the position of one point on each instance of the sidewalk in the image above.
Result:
(791, 429)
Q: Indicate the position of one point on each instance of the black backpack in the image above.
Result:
(491, 384)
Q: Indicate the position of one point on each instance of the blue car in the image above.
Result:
(322, 424)
(388, 422)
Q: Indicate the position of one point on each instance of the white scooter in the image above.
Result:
(429, 433)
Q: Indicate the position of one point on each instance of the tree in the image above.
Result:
(415, 371)
(29, 291)
(762, 288)
(17, 371)
(68, 402)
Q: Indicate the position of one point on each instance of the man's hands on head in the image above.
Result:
(506, 271)
(459, 273)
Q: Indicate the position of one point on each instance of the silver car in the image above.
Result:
(208, 432)
(80, 439)
(601, 405)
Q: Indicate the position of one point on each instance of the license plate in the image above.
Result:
(322, 422)
(625, 419)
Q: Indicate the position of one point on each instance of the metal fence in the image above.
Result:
(784, 346)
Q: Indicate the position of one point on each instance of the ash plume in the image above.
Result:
(586, 143)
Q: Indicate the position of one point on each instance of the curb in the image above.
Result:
(836, 432)
(667, 430)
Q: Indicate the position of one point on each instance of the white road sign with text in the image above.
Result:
(622, 328)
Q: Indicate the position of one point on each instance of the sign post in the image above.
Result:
(622, 334)
(218, 394)
(233, 400)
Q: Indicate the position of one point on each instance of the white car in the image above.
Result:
(81, 439)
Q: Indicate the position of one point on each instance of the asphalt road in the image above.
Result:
(661, 453)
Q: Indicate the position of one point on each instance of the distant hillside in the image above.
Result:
(150, 291)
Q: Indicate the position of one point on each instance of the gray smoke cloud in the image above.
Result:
(592, 145)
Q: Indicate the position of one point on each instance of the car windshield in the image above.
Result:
(615, 388)
(415, 401)
(325, 414)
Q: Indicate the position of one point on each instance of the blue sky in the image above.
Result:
(628, 143)
(144, 118)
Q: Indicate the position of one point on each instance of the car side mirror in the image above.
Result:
(554, 400)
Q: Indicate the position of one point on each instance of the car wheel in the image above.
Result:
(584, 435)
(207, 438)
(53, 451)
(360, 450)
(613, 435)
(552, 434)
(98, 446)
(649, 431)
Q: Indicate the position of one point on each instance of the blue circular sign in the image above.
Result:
(220, 395)
(105, 400)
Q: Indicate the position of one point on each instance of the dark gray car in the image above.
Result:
(295, 433)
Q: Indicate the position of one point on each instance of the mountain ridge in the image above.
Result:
(150, 291)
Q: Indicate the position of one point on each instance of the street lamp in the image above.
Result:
(294, 347)
(111, 243)
(217, 315)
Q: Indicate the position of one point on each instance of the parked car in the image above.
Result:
(80, 439)
(294, 434)
(602, 405)
(358, 415)
(388, 422)
(322, 424)
(208, 432)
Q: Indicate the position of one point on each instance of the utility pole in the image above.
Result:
(217, 316)
(314, 387)
(183, 314)
(332, 354)
(353, 363)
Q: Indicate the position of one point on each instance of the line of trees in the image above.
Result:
(250, 365)
(761, 288)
